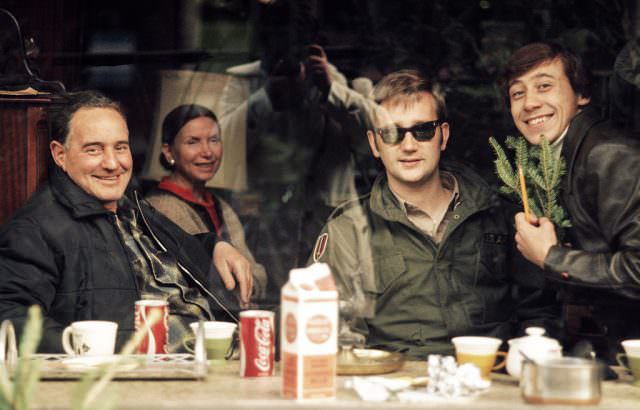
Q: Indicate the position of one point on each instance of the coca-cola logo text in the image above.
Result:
(262, 334)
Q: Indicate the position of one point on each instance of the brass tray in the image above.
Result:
(357, 362)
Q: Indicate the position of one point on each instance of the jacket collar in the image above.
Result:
(70, 195)
(580, 126)
(475, 193)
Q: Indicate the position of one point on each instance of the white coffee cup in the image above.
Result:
(631, 347)
(90, 338)
(480, 351)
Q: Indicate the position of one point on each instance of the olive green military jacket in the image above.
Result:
(421, 294)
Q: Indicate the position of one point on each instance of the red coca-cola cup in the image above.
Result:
(257, 343)
(155, 341)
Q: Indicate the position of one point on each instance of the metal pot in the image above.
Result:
(565, 380)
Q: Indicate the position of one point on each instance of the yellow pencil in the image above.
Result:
(523, 189)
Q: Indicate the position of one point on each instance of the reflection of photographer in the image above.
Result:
(301, 127)
(285, 84)
(292, 81)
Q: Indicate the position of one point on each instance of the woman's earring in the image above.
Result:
(172, 162)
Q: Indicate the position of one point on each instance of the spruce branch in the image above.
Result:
(522, 153)
(543, 174)
(546, 167)
(503, 168)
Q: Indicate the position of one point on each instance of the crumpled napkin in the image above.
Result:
(377, 388)
(447, 380)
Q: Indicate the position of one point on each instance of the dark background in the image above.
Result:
(119, 47)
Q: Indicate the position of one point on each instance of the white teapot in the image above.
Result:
(535, 346)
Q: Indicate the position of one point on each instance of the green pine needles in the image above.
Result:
(17, 387)
(542, 172)
(15, 394)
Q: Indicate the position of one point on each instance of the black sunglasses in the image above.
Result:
(421, 132)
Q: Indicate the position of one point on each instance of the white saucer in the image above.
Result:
(83, 363)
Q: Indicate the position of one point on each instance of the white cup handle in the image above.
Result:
(66, 341)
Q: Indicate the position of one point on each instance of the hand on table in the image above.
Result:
(233, 267)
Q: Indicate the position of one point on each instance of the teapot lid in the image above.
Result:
(536, 338)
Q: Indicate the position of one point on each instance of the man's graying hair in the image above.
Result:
(405, 86)
(60, 116)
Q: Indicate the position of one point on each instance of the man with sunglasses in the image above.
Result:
(427, 254)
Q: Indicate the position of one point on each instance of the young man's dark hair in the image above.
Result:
(532, 55)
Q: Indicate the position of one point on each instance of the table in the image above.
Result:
(224, 389)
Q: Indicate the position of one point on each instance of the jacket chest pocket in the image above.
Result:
(388, 267)
(492, 259)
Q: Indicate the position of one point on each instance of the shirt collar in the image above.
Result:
(556, 146)
(448, 181)
(167, 184)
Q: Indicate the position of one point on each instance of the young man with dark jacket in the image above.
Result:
(548, 91)
(428, 254)
(82, 250)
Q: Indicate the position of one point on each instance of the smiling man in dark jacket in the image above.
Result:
(82, 250)
(548, 91)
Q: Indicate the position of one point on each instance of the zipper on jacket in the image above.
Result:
(184, 269)
(113, 218)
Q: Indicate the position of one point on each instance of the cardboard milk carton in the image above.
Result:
(308, 327)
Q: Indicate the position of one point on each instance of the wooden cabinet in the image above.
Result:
(24, 149)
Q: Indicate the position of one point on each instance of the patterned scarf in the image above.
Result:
(159, 277)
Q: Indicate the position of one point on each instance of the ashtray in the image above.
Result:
(355, 362)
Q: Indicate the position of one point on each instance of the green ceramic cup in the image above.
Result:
(631, 363)
(630, 359)
(217, 348)
(217, 339)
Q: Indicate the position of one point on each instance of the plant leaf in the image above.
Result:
(91, 389)
(27, 373)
